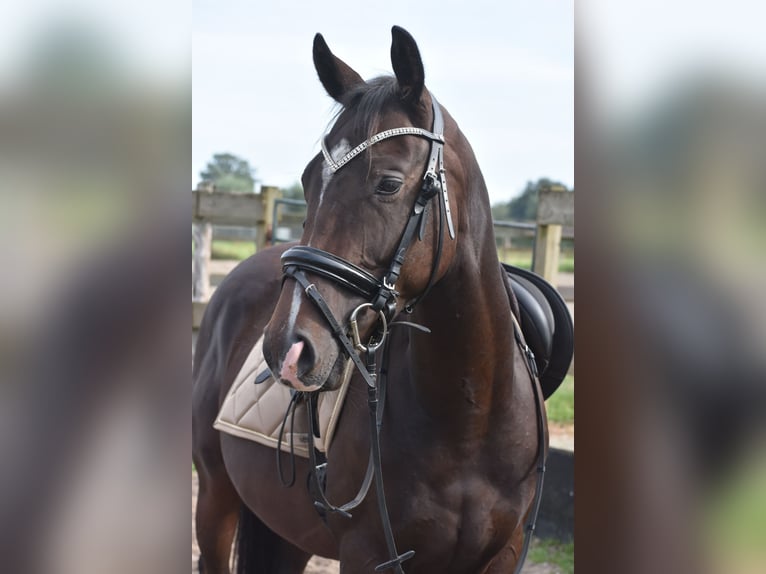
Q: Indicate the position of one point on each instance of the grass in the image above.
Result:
(238, 250)
(734, 517)
(566, 263)
(553, 552)
(560, 406)
(523, 258)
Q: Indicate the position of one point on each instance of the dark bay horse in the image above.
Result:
(459, 438)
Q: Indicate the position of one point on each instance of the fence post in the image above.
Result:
(202, 236)
(265, 226)
(547, 247)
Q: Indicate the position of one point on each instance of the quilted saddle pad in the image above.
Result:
(255, 412)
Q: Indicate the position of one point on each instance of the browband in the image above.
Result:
(336, 165)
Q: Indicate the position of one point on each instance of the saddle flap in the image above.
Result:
(546, 324)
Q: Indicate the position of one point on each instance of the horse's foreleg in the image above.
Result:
(216, 521)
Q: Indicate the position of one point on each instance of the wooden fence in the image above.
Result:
(555, 209)
(218, 208)
(555, 219)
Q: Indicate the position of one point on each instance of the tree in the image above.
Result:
(524, 206)
(229, 173)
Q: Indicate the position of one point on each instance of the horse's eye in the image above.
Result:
(388, 186)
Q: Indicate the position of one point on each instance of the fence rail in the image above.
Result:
(555, 208)
(288, 226)
(269, 218)
(228, 208)
(219, 208)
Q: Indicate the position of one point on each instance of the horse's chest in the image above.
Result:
(457, 522)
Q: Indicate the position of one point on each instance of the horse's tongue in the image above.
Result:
(289, 370)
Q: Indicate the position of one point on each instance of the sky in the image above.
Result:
(637, 53)
(505, 71)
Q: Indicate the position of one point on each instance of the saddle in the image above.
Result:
(546, 324)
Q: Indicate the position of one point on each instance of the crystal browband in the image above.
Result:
(336, 165)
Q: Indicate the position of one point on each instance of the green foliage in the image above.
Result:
(566, 263)
(560, 406)
(524, 206)
(238, 250)
(733, 516)
(229, 173)
(553, 552)
(500, 211)
(523, 258)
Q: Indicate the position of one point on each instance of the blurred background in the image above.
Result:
(95, 125)
(671, 168)
(95, 149)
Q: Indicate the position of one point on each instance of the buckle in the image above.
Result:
(429, 187)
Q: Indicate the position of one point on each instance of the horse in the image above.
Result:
(463, 427)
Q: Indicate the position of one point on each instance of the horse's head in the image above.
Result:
(378, 227)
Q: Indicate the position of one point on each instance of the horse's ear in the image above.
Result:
(407, 64)
(336, 76)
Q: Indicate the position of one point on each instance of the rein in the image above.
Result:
(381, 297)
(542, 440)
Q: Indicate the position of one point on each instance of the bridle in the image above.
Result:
(381, 293)
(381, 297)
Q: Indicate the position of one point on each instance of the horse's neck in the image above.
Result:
(463, 369)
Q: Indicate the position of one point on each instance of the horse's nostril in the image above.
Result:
(306, 358)
(298, 362)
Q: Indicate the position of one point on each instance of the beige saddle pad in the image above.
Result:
(255, 412)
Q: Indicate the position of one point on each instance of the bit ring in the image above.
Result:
(371, 347)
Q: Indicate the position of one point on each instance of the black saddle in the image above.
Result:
(546, 324)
